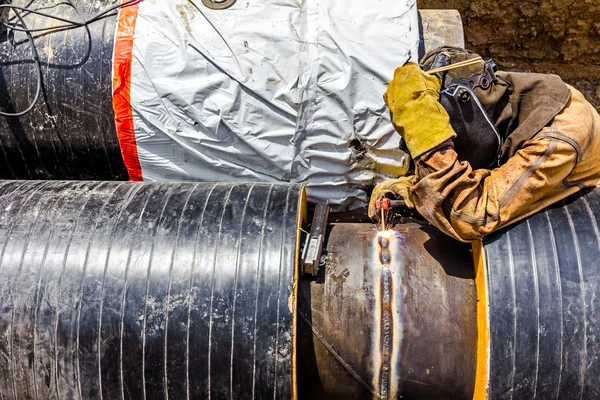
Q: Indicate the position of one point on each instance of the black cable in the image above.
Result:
(64, 3)
(69, 24)
(38, 68)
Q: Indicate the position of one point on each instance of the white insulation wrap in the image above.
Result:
(271, 90)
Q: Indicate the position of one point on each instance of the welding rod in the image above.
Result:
(465, 63)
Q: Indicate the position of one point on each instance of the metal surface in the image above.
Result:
(313, 247)
(389, 319)
(139, 290)
(439, 28)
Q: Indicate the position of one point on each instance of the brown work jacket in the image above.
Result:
(561, 159)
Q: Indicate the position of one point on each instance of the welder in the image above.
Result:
(489, 147)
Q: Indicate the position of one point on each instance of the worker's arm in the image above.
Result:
(468, 204)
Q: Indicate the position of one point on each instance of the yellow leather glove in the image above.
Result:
(412, 97)
(394, 189)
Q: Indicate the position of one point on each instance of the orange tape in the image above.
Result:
(302, 215)
(122, 90)
(483, 330)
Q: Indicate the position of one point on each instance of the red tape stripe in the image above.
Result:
(122, 90)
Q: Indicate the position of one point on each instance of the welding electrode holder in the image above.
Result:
(388, 204)
(394, 209)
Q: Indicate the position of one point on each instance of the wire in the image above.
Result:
(64, 3)
(38, 68)
(68, 24)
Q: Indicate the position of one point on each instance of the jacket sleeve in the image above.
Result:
(468, 204)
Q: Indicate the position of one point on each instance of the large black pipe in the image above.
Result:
(168, 290)
(70, 133)
(123, 290)
(544, 303)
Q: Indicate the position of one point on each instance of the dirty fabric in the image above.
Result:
(534, 100)
(558, 161)
(271, 90)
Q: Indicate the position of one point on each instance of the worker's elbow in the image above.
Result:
(460, 229)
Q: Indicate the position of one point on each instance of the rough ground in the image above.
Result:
(557, 36)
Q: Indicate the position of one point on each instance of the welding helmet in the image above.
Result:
(470, 95)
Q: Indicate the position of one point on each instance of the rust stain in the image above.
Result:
(187, 13)
(166, 17)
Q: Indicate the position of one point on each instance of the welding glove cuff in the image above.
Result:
(412, 97)
(398, 189)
